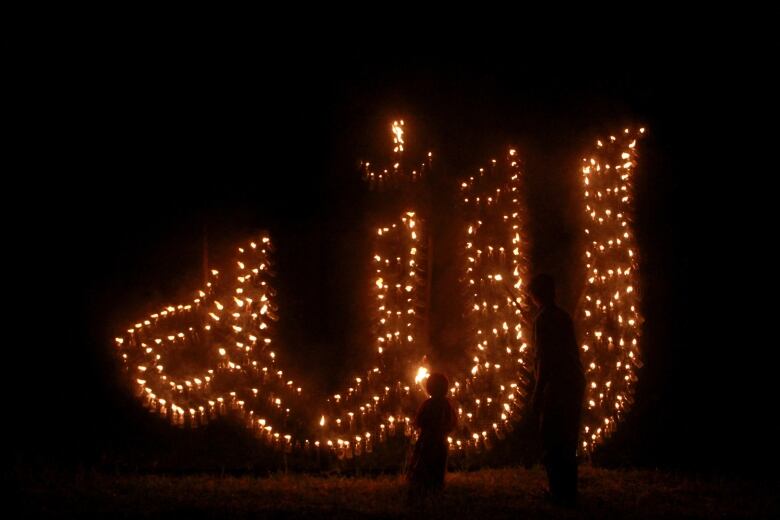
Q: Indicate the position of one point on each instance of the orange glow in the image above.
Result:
(492, 383)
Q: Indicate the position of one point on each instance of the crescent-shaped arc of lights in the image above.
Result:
(610, 319)
(233, 322)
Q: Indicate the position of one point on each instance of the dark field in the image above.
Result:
(493, 493)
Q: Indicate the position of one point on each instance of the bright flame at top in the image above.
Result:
(422, 374)
(398, 132)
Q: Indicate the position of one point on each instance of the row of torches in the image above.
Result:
(231, 321)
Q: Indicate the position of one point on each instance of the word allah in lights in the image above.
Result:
(227, 328)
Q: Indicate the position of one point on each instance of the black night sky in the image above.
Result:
(153, 148)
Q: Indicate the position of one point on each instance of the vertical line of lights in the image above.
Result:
(610, 320)
(494, 392)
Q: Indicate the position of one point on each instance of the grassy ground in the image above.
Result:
(493, 493)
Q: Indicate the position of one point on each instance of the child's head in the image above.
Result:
(542, 289)
(437, 385)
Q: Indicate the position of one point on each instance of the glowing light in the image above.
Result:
(398, 132)
(494, 383)
(422, 375)
(608, 326)
(398, 171)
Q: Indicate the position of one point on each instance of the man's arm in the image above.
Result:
(453, 423)
(536, 397)
(421, 419)
(574, 347)
(541, 371)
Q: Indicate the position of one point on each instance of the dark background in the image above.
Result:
(145, 149)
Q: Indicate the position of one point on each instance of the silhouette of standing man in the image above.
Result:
(559, 390)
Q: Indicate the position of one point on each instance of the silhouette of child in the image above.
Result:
(435, 419)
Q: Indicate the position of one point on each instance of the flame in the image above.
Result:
(398, 138)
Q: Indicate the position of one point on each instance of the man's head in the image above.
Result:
(542, 289)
